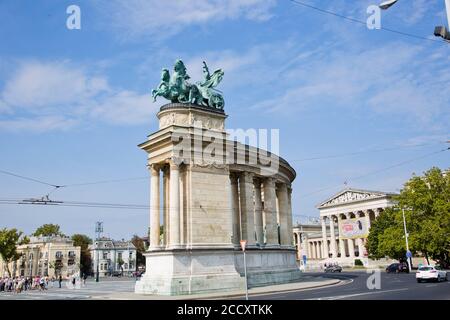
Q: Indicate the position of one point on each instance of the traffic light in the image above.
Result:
(441, 31)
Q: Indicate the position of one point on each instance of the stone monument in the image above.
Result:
(208, 192)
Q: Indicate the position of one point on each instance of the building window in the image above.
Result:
(71, 254)
(105, 255)
(59, 255)
(119, 255)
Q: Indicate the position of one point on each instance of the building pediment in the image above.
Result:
(352, 195)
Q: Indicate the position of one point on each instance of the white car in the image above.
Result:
(431, 273)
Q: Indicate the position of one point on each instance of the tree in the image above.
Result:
(140, 249)
(83, 241)
(377, 229)
(426, 200)
(9, 239)
(426, 203)
(48, 230)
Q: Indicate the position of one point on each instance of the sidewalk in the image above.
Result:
(308, 282)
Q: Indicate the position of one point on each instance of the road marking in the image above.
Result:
(357, 294)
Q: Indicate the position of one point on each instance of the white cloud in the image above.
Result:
(158, 19)
(42, 96)
(396, 79)
(38, 85)
(38, 124)
(125, 107)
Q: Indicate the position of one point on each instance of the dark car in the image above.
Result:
(335, 268)
(397, 267)
(116, 274)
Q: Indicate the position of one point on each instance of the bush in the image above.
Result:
(358, 262)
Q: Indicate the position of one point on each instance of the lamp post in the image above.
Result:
(439, 31)
(98, 230)
(406, 239)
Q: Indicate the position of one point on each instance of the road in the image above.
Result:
(354, 287)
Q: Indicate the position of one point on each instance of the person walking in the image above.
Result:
(60, 280)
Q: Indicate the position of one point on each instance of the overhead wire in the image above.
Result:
(323, 11)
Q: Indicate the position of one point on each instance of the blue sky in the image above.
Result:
(74, 104)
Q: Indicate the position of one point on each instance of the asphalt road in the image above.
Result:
(354, 287)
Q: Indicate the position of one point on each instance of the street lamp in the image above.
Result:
(98, 230)
(439, 31)
(387, 4)
(408, 253)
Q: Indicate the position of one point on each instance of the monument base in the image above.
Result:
(183, 272)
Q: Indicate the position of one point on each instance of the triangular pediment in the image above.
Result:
(352, 195)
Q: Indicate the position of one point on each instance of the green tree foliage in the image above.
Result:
(48, 230)
(426, 200)
(83, 241)
(140, 249)
(9, 239)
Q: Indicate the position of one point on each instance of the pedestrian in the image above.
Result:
(42, 284)
(60, 280)
(73, 281)
(84, 278)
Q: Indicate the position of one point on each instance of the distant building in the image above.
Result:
(113, 257)
(341, 234)
(45, 256)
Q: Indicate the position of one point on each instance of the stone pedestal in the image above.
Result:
(182, 272)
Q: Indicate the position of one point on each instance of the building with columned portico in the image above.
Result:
(345, 220)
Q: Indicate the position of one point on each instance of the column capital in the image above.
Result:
(154, 169)
(234, 176)
(247, 175)
(174, 165)
(270, 181)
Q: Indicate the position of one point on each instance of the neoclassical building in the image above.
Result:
(113, 256)
(345, 222)
(45, 256)
(209, 192)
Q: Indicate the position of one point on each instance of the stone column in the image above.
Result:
(299, 246)
(283, 204)
(360, 244)
(270, 212)
(306, 248)
(289, 216)
(258, 213)
(377, 212)
(367, 216)
(341, 240)
(154, 207)
(235, 218)
(333, 237)
(247, 208)
(324, 239)
(166, 191)
(351, 248)
(174, 207)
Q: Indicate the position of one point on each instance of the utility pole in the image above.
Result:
(408, 253)
(98, 231)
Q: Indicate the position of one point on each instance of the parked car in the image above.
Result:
(397, 267)
(334, 268)
(434, 273)
(116, 274)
